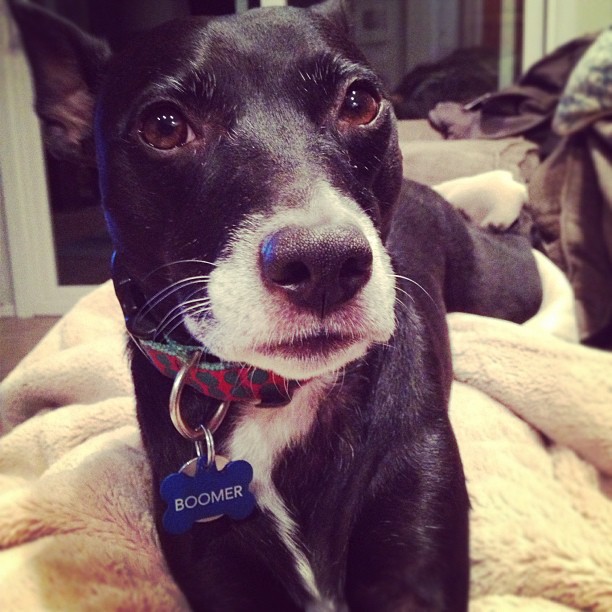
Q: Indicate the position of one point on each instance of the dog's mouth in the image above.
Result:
(320, 346)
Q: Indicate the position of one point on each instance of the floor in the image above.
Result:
(18, 337)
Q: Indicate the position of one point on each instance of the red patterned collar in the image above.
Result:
(222, 380)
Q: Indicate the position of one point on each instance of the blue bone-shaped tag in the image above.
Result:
(210, 492)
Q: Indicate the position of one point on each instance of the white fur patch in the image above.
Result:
(259, 438)
(245, 319)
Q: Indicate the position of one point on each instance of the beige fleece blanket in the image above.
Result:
(532, 411)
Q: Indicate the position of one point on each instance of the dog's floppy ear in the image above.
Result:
(66, 66)
(338, 11)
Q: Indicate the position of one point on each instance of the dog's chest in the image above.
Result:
(265, 438)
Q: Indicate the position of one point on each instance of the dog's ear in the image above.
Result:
(338, 11)
(66, 66)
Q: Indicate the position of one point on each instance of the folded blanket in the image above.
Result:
(531, 413)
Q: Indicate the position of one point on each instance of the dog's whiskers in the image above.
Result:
(184, 306)
(179, 262)
(410, 280)
(401, 303)
(406, 293)
(164, 294)
(171, 322)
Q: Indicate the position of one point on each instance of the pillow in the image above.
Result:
(430, 159)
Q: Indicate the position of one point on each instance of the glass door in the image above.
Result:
(430, 51)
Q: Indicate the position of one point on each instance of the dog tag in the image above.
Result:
(189, 469)
(199, 493)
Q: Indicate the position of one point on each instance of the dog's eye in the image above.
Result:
(165, 127)
(359, 107)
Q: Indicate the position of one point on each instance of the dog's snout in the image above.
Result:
(317, 267)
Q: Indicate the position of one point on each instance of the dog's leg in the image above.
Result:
(399, 563)
(482, 272)
(409, 546)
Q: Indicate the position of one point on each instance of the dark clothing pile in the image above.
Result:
(564, 104)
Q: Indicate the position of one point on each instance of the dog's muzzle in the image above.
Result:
(221, 380)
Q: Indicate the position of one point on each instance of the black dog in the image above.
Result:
(252, 183)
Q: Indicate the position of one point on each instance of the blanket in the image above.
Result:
(530, 407)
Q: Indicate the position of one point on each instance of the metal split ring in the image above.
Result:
(209, 452)
(202, 432)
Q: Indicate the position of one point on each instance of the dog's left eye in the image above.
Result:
(359, 107)
(165, 127)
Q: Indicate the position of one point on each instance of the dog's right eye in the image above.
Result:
(165, 127)
(360, 106)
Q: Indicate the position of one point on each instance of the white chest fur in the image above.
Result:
(260, 437)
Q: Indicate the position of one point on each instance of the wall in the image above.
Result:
(550, 23)
(379, 33)
(432, 30)
(566, 18)
(7, 304)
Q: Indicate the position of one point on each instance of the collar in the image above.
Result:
(222, 380)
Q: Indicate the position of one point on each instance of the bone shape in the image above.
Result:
(209, 493)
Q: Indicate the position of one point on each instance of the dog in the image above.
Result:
(285, 292)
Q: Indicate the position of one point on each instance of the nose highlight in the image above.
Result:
(320, 267)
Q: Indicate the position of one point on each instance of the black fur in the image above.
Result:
(377, 487)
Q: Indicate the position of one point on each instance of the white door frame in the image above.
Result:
(534, 31)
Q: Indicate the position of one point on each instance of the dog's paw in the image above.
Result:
(492, 199)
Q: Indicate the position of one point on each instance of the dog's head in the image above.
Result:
(248, 167)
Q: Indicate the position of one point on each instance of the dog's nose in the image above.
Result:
(317, 267)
